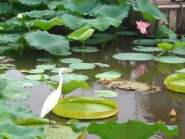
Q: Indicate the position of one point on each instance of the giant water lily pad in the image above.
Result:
(175, 82)
(54, 44)
(23, 83)
(81, 66)
(69, 77)
(170, 59)
(133, 56)
(109, 75)
(78, 107)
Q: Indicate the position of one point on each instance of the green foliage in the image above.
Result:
(3, 82)
(108, 75)
(170, 59)
(162, 30)
(81, 66)
(168, 46)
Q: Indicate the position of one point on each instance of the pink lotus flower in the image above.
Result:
(142, 26)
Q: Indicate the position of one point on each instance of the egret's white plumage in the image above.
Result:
(52, 99)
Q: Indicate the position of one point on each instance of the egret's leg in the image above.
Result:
(50, 121)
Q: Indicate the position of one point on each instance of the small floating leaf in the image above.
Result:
(69, 77)
(70, 60)
(56, 70)
(146, 49)
(45, 67)
(81, 66)
(109, 75)
(105, 93)
(170, 59)
(35, 71)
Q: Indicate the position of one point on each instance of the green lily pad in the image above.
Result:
(170, 59)
(3, 83)
(101, 65)
(23, 83)
(35, 71)
(70, 60)
(81, 66)
(44, 59)
(146, 49)
(105, 93)
(87, 49)
(14, 94)
(109, 75)
(85, 108)
(65, 54)
(133, 56)
(180, 51)
(23, 70)
(69, 77)
(45, 67)
(145, 42)
(35, 77)
(56, 70)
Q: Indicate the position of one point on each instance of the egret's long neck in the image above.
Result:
(60, 81)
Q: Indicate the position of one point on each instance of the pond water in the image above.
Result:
(150, 107)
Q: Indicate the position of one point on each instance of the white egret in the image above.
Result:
(52, 99)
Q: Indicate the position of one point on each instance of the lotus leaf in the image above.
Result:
(168, 46)
(81, 34)
(35, 77)
(145, 42)
(85, 107)
(128, 130)
(3, 115)
(17, 112)
(105, 93)
(54, 44)
(56, 70)
(9, 130)
(162, 29)
(180, 51)
(103, 36)
(45, 67)
(81, 66)
(3, 83)
(10, 37)
(36, 71)
(125, 32)
(133, 56)
(44, 59)
(70, 60)
(23, 83)
(146, 49)
(109, 75)
(39, 14)
(128, 85)
(175, 82)
(101, 23)
(113, 11)
(101, 65)
(87, 49)
(34, 3)
(170, 59)
(5, 8)
(167, 40)
(23, 70)
(84, 7)
(3, 48)
(55, 5)
(69, 77)
(47, 24)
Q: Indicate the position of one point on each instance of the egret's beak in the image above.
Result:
(68, 71)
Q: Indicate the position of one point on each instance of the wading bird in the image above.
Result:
(52, 99)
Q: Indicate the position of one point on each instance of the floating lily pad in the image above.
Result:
(101, 65)
(71, 60)
(23, 70)
(87, 49)
(44, 59)
(78, 107)
(109, 75)
(56, 70)
(105, 93)
(145, 42)
(69, 77)
(14, 94)
(180, 51)
(23, 83)
(65, 54)
(133, 56)
(175, 82)
(35, 71)
(146, 49)
(35, 77)
(81, 66)
(170, 59)
(45, 67)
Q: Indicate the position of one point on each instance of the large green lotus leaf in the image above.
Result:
(87, 7)
(44, 59)
(81, 66)
(45, 67)
(3, 115)
(162, 29)
(81, 34)
(87, 49)
(34, 3)
(101, 23)
(145, 42)
(133, 56)
(5, 8)
(108, 75)
(36, 77)
(175, 82)
(132, 129)
(54, 44)
(23, 83)
(150, 11)
(14, 94)
(69, 77)
(48, 24)
(10, 37)
(105, 93)
(70, 60)
(4, 48)
(9, 130)
(17, 112)
(3, 83)
(118, 12)
(39, 14)
(146, 49)
(71, 21)
(56, 5)
(180, 51)
(56, 70)
(170, 59)
(80, 107)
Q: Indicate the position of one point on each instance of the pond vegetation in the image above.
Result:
(63, 27)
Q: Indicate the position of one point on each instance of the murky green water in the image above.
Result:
(132, 105)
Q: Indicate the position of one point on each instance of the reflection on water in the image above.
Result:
(132, 105)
